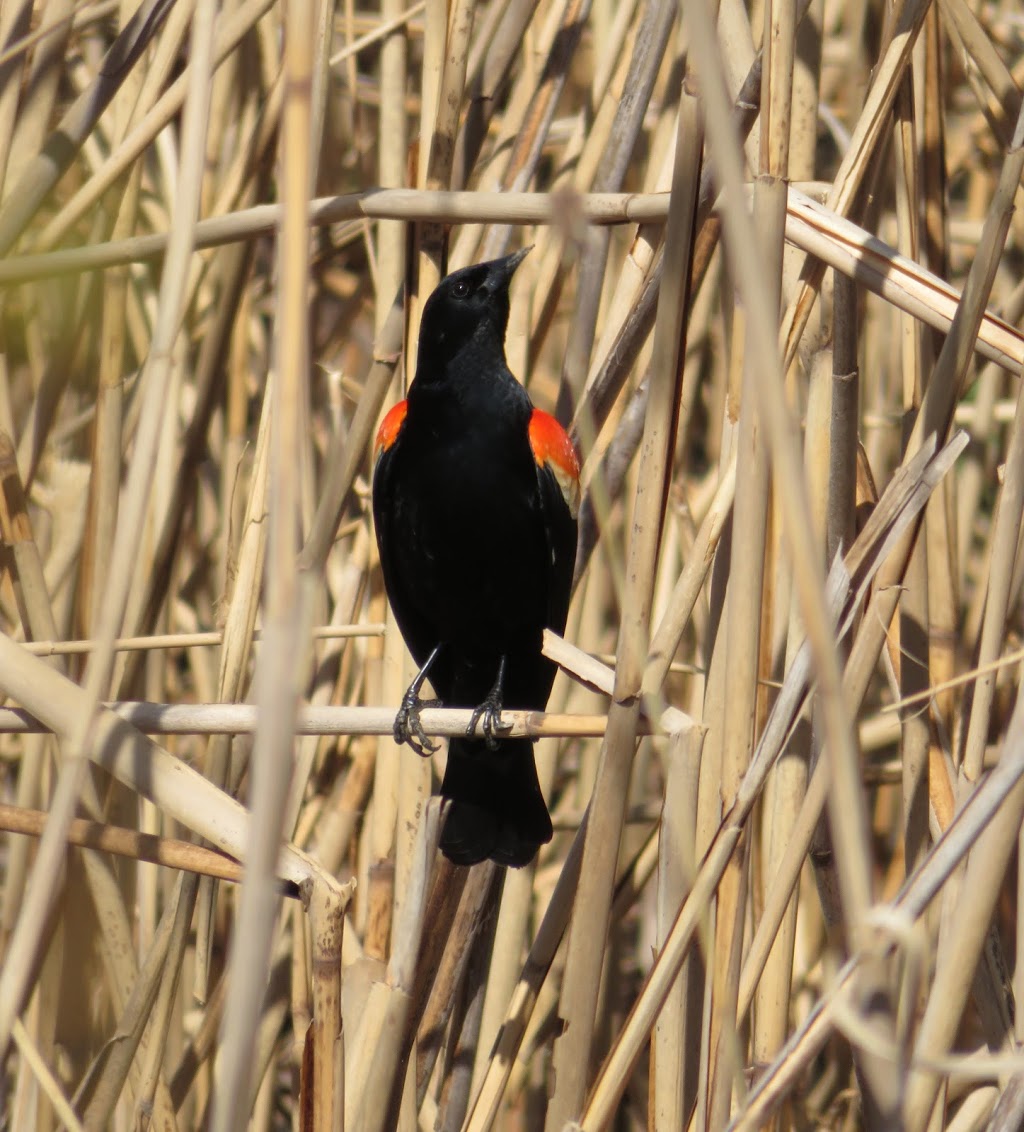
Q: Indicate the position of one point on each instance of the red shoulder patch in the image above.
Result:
(553, 449)
(390, 427)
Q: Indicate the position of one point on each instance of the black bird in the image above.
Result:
(475, 494)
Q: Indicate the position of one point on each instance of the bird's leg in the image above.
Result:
(490, 709)
(408, 728)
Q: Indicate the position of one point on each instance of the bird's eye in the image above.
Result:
(461, 289)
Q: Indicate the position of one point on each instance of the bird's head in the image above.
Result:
(468, 310)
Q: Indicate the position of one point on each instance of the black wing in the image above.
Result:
(420, 636)
(560, 529)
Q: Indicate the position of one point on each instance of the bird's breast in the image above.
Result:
(470, 537)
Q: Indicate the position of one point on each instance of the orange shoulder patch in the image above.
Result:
(552, 448)
(390, 427)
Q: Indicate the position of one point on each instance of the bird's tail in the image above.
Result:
(497, 810)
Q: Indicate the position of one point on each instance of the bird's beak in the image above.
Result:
(503, 269)
(516, 258)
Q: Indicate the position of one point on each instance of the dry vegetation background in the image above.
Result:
(191, 373)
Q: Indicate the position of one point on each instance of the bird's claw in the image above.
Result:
(408, 726)
(493, 727)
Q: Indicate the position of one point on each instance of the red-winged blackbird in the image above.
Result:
(474, 499)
